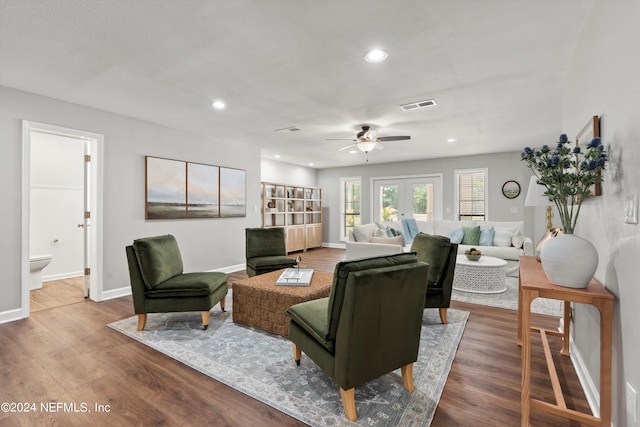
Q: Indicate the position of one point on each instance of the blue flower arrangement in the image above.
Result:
(568, 172)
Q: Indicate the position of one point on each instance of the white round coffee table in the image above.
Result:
(485, 276)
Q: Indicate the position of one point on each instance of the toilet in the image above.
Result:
(36, 264)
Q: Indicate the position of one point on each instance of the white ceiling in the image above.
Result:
(495, 68)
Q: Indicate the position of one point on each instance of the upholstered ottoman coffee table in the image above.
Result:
(484, 276)
(258, 302)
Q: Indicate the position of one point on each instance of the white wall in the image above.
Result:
(205, 244)
(502, 167)
(57, 203)
(286, 173)
(604, 80)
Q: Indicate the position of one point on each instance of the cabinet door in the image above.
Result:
(295, 238)
(314, 235)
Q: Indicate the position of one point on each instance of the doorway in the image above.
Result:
(398, 198)
(62, 192)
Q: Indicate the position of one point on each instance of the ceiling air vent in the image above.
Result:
(290, 129)
(419, 104)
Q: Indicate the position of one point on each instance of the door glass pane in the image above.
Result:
(388, 202)
(422, 201)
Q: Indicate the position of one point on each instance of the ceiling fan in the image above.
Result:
(367, 139)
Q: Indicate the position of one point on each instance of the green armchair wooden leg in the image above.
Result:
(443, 315)
(349, 403)
(297, 353)
(223, 302)
(205, 319)
(142, 320)
(407, 377)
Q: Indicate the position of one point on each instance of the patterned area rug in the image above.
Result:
(261, 365)
(509, 299)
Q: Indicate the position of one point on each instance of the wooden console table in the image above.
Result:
(533, 283)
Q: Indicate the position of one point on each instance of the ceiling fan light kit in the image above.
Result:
(366, 146)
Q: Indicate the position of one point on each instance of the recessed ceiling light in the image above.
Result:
(376, 55)
(353, 152)
(218, 105)
(451, 140)
(311, 164)
(277, 156)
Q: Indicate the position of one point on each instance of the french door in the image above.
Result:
(395, 199)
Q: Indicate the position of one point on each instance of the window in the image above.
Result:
(471, 194)
(349, 205)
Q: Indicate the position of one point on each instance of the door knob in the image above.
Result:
(80, 225)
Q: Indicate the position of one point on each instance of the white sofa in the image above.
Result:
(361, 246)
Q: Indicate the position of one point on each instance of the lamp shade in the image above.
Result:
(535, 194)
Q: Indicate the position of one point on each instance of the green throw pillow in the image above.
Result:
(471, 235)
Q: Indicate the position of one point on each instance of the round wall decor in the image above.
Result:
(511, 189)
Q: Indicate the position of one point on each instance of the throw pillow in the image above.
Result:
(502, 236)
(471, 235)
(361, 234)
(486, 236)
(397, 240)
(456, 235)
(380, 233)
(517, 240)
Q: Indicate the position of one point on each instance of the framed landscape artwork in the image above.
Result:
(166, 188)
(176, 189)
(588, 132)
(203, 191)
(232, 192)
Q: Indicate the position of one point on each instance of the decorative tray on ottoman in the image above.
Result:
(295, 277)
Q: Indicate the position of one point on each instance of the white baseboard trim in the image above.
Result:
(61, 276)
(588, 386)
(334, 245)
(11, 315)
(231, 268)
(115, 293)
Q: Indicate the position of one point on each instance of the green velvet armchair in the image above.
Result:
(368, 326)
(440, 254)
(158, 284)
(266, 250)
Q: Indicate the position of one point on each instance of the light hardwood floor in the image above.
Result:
(66, 353)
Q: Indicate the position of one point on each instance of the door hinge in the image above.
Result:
(87, 214)
(87, 158)
(87, 271)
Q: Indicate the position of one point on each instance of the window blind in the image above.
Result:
(471, 196)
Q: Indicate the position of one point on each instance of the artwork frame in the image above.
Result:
(165, 188)
(583, 139)
(511, 189)
(233, 201)
(177, 189)
(203, 190)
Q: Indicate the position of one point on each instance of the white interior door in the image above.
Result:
(86, 280)
(395, 199)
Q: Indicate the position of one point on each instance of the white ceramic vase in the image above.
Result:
(569, 261)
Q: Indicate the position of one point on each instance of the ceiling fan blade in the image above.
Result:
(340, 139)
(348, 146)
(393, 138)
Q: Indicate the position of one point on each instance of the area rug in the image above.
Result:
(261, 365)
(509, 299)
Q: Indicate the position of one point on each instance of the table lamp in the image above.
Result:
(536, 197)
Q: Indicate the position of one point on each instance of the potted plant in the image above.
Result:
(568, 173)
